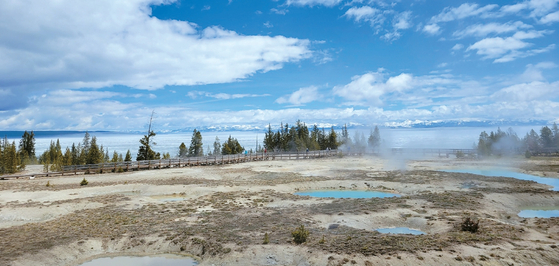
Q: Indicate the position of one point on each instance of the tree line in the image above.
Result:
(89, 151)
(14, 158)
(507, 142)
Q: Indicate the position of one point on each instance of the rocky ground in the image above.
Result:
(221, 214)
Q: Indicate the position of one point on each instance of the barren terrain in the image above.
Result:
(220, 214)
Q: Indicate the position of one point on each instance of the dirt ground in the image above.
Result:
(221, 214)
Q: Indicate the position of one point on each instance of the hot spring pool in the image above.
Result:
(554, 182)
(400, 231)
(353, 194)
(538, 213)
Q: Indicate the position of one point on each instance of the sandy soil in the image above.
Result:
(220, 214)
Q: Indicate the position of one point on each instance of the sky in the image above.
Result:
(108, 65)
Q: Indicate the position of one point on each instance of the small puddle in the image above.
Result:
(538, 213)
(353, 194)
(400, 231)
(169, 198)
(167, 260)
(554, 182)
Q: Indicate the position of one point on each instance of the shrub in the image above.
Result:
(84, 182)
(322, 241)
(120, 170)
(266, 239)
(470, 225)
(460, 154)
(48, 184)
(300, 235)
(528, 154)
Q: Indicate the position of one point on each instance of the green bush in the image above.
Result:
(469, 225)
(266, 239)
(460, 154)
(300, 235)
(84, 182)
(528, 154)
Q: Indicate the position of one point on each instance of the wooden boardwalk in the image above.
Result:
(174, 163)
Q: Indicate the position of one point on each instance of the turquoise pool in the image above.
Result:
(353, 194)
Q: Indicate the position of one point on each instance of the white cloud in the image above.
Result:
(482, 30)
(510, 48)
(402, 21)
(369, 89)
(268, 24)
(84, 44)
(279, 11)
(538, 8)
(534, 72)
(301, 96)
(526, 92)
(313, 2)
(432, 29)
(550, 18)
(463, 11)
(222, 96)
(365, 13)
(457, 47)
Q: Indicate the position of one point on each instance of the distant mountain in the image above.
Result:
(401, 124)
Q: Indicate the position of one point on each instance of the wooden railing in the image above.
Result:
(111, 167)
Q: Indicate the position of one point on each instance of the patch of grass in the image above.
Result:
(266, 239)
(84, 182)
(300, 235)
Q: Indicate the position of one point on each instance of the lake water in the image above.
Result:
(553, 182)
(353, 194)
(168, 260)
(538, 213)
(400, 231)
(433, 138)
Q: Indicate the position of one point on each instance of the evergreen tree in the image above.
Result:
(269, 140)
(374, 138)
(27, 146)
(94, 155)
(183, 151)
(196, 146)
(145, 152)
(217, 147)
(128, 157)
(555, 130)
(546, 137)
(332, 139)
(231, 146)
(115, 157)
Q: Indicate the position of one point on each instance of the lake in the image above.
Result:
(433, 138)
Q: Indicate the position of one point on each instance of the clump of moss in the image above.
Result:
(84, 182)
(300, 235)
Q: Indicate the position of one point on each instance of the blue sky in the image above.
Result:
(106, 65)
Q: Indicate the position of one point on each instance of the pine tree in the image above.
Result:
(374, 138)
(128, 157)
(217, 146)
(183, 151)
(115, 157)
(196, 145)
(27, 146)
(94, 155)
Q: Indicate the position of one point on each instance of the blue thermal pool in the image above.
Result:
(400, 231)
(143, 261)
(538, 213)
(353, 194)
(554, 182)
